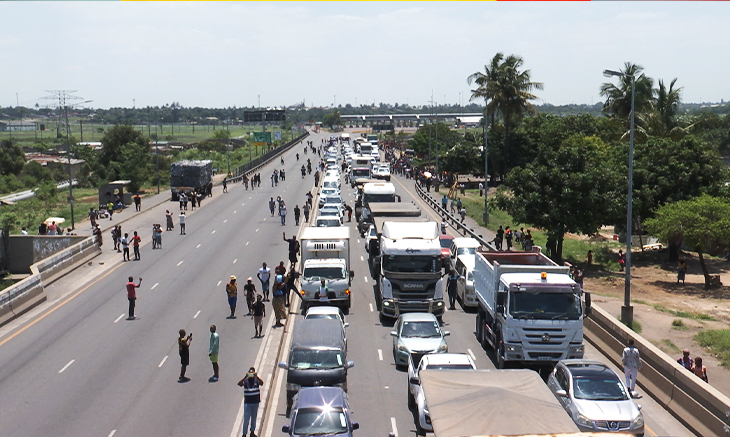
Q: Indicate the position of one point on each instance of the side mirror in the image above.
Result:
(347, 324)
(283, 365)
(414, 380)
(393, 334)
(447, 333)
(285, 429)
(355, 426)
(349, 364)
(562, 393)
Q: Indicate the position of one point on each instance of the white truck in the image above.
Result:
(529, 309)
(326, 255)
(408, 267)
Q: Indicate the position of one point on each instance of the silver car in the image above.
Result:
(596, 397)
(415, 335)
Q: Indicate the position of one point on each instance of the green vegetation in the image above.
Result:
(635, 325)
(6, 282)
(667, 346)
(684, 314)
(718, 342)
(678, 324)
(30, 213)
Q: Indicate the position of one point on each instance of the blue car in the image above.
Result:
(320, 411)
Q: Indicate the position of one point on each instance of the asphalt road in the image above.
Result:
(377, 391)
(80, 368)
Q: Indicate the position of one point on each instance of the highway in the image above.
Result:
(79, 368)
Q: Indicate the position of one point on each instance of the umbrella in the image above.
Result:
(427, 174)
(58, 220)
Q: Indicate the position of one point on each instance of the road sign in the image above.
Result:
(261, 138)
(277, 135)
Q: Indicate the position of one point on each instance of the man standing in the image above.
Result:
(250, 291)
(282, 213)
(297, 213)
(305, 210)
(251, 384)
(225, 184)
(132, 296)
(451, 287)
(293, 249)
(213, 352)
(348, 209)
(264, 274)
(183, 347)
(272, 205)
(125, 247)
(232, 291)
(686, 360)
(135, 243)
(182, 222)
(137, 202)
(258, 314)
(632, 363)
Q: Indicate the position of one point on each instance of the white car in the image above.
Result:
(370, 235)
(415, 335)
(332, 173)
(432, 362)
(382, 173)
(328, 312)
(332, 210)
(327, 221)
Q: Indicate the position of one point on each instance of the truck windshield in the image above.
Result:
(375, 198)
(360, 172)
(544, 305)
(411, 264)
(319, 272)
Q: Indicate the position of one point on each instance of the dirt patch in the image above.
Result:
(670, 314)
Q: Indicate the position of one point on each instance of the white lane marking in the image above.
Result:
(196, 315)
(119, 318)
(472, 354)
(112, 433)
(394, 427)
(197, 246)
(362, 259)
(244, 203)
(371, 308)
(225, 221)
(235, 212)
(66, 366)
(234, 261)
(366, 279)
(257, 229)
(156, 284)
(264, 219)
(178, 264)
(163, 361)
(218, 284)
(380, 354)
(247, 243)
(358, 241)
(213, 232)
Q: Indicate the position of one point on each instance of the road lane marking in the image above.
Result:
(225, 221)
(366, 279)
(234, 212)
(162, 362)
(234, 261)
(471, 354)
(156, 284)
(380, 354)
(362, 259)
(650, 431)
(112, 433)
(358, 241)
(257, 229)
(178, 264)
(197, 246)
(119, 318)
(394, 427)
(247, 243)
(371, 308)
(196, 315)
(213, 232)
(66, 366)
(244, 203)
(218, 284)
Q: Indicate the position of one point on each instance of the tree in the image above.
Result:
(136, 165)
(447, 139)
(701, 223)
(12, 158)
(564, 189)
(116, 139)
(486, 84)
(126, 155)
(618, 98)
(332, 119)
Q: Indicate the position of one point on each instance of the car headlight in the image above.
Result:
(402, 347)
(443, 348)
(639, 421)
(583, 421)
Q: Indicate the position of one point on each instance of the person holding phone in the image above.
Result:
(251, 384)
(183, 346)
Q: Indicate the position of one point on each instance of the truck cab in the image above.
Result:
(326, 255)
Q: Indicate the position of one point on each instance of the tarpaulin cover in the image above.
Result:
(492, 402)
(188, 173)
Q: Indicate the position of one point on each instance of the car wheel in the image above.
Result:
(411, 398)
(479, 329)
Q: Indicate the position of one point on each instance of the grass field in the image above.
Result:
(718, 341)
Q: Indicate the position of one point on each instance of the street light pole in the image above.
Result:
(485, 215)
(627, 311)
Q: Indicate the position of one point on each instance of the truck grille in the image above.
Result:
(544, 336)
(413, 307)
(613, 425)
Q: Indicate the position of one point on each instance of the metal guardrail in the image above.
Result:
(264, 159)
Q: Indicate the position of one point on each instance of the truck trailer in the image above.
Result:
(188, 176)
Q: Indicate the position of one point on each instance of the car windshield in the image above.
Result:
(599, 387)
(315, 359)
(320, 421)
(445, 242)
(328, 223)
(356, 173)
(334, 200)
(420, 329)
(315, 273)
(411, 264)
(544, 305)
(323, 316)
(329, 209)
(466, 251)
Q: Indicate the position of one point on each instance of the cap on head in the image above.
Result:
(249, 279)
(233, 278)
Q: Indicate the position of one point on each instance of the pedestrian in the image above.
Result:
(348, 208)
(93, 216)
(528, 243)
(681, 270)
(686, 360)
(264, 274)
(305, 210)
(272, 205)
(700, 370)
(185, 201)
(631, 360)
(225, 185)
(297, 213)
(157, 236)
(258, 312)
(500, 238)
(251, 384)
(462, 213)
(453, 205)
(590, 257)
(97, 233)
(621, 260)
(201, 196)
(452, 284)
(125, 248)
(444, 202)
(293, 249)
(279, 300)
(193, 200)
(213, 351)
(250, 290)
(137, 202)
(291, 280)
(280, 269)
(183, 347)
(444, 225)
(168, 220)
(232, 292)
(182, 222)
(323, 293)
(23, 231)
(459, 204)
(508, 237)
(282, 213)
(481, 189)
(115, 238)
(132, 296)
(135, 245)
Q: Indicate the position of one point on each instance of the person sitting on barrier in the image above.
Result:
(700, 370)
(686, 360)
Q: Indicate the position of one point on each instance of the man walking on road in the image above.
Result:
(282, 212)
(132, 296)
(213, 352)
(135, 243)
(272, 205)
(251, 384)
(183, 347)
(137, 202)
(225, 185)
(451, 288)
(305, 210)
(297, 213)
(182, 223)
(232, 291)
(264, 274)
(631, 360)
(293, 249)
(258, 313)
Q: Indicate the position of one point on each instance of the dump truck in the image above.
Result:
(191, 176)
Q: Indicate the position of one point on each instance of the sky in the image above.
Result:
(224, 54)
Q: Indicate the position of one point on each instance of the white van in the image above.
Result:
(465, 286)
(463, 246)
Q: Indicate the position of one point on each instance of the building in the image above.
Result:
(17, 125)
(52, 162)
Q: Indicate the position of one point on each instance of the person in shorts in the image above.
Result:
(259, 312)
(264, 274)
(250, 290)
(183, 346)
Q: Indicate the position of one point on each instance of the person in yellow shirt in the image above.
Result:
(232, 291)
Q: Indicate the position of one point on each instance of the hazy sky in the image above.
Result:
(227, 54)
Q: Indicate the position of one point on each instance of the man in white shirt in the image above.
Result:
(264, 275)
(23, 231)
(182, 222)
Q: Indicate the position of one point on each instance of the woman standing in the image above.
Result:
(279, 300)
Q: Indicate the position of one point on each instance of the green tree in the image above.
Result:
(564, 189)
(116, 139)
(618, 97)
(486, 84)
(702, 224)
(12, 158)
(447, 139)
(136, 165)
(332, 119)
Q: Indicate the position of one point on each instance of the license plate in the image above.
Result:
(543, 358)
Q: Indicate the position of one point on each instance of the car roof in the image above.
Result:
(466, 242)
(321, 396)
(448, 358)
(418, 317)
(318, 333)
(323, 310)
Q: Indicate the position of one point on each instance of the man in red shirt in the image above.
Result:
(135, 242)
(132, 295)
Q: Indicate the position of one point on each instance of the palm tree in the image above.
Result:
(485, 80)
(666, 103)
(618, 98)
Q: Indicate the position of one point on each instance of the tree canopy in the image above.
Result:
(12, 158)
